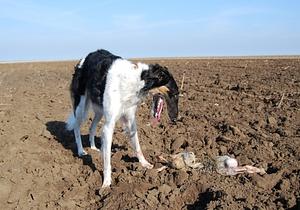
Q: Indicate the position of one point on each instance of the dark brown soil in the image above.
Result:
(247, 108)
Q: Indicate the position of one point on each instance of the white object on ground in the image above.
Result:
(229, 166)
(231, 163)
(225, 165)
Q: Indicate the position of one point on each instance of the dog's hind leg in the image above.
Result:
(97, 118)
(80, 115)
(131, 124)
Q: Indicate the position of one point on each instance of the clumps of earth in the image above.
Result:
(233, 113)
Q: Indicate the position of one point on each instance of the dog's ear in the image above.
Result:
(155, 76)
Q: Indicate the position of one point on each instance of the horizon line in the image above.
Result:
(166, 58)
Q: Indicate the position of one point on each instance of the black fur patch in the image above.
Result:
(157, 76)
(91, 77)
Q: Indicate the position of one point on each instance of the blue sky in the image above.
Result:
(65, 29)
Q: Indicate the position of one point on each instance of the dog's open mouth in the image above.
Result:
(157, 107)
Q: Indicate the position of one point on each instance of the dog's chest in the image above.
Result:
(130, 89)
(125, 84)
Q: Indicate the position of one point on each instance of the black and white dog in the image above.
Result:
(113, 87)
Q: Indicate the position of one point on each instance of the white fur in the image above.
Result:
(81, 113)
(71, 122)
(81, 63)
(121, 97)
(231, 163)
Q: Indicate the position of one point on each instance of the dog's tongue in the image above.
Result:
(157, 110)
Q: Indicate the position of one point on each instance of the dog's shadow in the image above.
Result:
(66, 138)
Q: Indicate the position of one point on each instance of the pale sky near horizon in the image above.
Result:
(65, 29)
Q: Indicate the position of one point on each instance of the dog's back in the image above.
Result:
(91, 73)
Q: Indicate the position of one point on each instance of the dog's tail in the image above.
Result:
(71, 122)
(78, 95)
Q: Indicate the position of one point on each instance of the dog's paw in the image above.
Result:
(106, 184)
(95, 148)
(147, 165)
(82, 153)
(104, 191)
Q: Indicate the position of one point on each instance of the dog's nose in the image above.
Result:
(174, 121)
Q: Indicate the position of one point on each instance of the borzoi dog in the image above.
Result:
(113, 87)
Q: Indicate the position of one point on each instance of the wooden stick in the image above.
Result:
(280, 102)
(161, 168)
(181, 86)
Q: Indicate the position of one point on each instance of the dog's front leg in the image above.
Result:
(106, 150)
(131, 124)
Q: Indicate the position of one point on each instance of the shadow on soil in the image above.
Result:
(204, 198)
(67, 139)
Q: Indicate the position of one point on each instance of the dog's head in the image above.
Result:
(160, 82)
